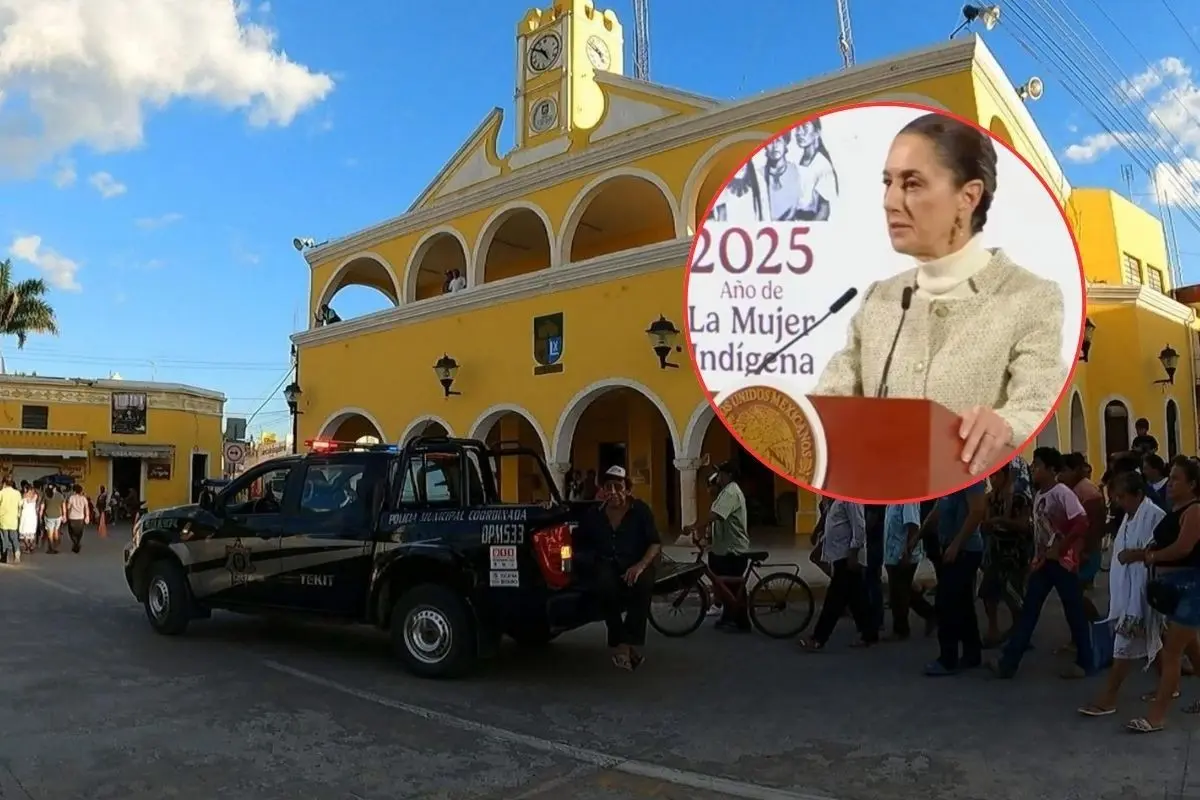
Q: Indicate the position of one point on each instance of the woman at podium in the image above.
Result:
(966, 327)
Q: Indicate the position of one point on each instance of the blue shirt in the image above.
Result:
(952, 513)
(896, 520)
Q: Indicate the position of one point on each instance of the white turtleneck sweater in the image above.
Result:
(946, 278)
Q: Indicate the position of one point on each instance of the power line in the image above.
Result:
(271, 396)
(130, 362)
(1182, 27)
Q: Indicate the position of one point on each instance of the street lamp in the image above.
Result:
(291, 394)
(1089, 330)
(1170, 361)
(988, 15)
(663, 336)
(446, 369)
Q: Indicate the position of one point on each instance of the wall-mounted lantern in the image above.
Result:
(291, 395)
(1089, 330)
(446, 369)
(664, 338)
(1170, 361)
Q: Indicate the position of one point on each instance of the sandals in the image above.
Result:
(810, 645)
(1094, 710)
(1148, 697)
(1142, 725)
(623, 661)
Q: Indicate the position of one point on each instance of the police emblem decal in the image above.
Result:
(238, 562)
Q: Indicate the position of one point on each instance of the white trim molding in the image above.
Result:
(334, 285)
(953, 57)
(700, 173)
(335, 420)
(609, 267)
(564, 431)
(413, 267)
(418, 425)
(487, 233)
(696, 430)
(579, 205)
(1130, 416)
(191, 474)
(1077, 402)
(1141, 297)
(483, 424)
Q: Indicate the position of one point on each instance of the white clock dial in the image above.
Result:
(543, 115)
(598, 52)
(544, 52)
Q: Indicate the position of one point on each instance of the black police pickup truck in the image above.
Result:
(412, 540)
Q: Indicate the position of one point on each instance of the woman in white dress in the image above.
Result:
(31, 512)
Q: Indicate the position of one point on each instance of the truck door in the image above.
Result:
(325, 551)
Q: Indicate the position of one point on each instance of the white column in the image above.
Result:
(559, 471)
(688, 468)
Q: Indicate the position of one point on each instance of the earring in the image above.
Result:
(956, 230)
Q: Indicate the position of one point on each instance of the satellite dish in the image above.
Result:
(1033, 89)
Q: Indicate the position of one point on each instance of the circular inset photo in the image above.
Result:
(885, 303)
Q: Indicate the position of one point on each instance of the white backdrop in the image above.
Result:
(852, 249)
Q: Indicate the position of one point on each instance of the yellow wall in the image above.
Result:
(87, 419)
(1107, 226)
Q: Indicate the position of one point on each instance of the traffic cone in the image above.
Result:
(103, 527)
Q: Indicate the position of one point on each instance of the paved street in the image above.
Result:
(97, 706)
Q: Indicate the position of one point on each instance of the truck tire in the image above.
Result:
(432, 632)
(167, 600)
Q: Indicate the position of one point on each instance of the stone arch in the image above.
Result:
(1116, 425)
(348, 420)
(711, 170)
(1171, 429)
(696, 430)
(1079, 436)
(657, 223)
(421, 426)
(362, 269)
(483, 424)
(564, 430)
(534, 234)
(999, 129)
(449, 247)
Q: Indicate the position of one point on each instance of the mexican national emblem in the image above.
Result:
(237, 561)
(775, 429)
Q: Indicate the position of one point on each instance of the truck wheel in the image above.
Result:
(167, 602)
(432, 632)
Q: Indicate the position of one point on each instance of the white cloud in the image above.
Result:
(107, 185)
(65, 174)
(58, 270)
(1168, 97)
(74, 72)
(151, 223)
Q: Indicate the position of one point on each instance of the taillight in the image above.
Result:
(552, 547)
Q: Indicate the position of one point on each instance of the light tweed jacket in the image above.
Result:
(1001, 347)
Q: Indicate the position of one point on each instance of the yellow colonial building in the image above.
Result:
(572, 246)
(154, 438)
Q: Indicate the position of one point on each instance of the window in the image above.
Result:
(261, 493)
(431, 479)
(332, 488)
(35, 418)
(1154, 278)
(1131, 270)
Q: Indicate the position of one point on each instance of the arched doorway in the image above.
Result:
(515, 241)
(619, 422)
(520, 480)
(440, 254)
(351, 425)
(1049, 434)
(425, 426)
(1079, 437)
(363, 284)
(618, 213)
(1173, 439)
(1116, 428)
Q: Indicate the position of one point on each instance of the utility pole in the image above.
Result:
(641, 39)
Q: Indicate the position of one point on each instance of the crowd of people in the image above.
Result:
(33, 515)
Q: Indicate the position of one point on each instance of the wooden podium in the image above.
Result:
(881, 449)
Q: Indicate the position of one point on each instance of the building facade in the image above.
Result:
(573, 246)
(155, 438)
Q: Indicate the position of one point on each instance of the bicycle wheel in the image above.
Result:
(678, 613)
(781, 605)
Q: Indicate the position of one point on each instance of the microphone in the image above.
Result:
(837, 306)
(905, 302)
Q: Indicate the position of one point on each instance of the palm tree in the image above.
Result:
(23, 309)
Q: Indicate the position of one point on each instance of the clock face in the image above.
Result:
(543, 115)
(544, 52)
(598, 53)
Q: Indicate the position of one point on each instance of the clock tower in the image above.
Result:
(559, 51)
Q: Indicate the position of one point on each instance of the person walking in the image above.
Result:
(31, 514)
(957, 518)
(843, 547)
(77, 516)
(10, 520)
(54, 508)
(901, 557)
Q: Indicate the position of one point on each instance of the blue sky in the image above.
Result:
(161, 191)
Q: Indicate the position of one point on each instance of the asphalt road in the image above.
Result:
(95, 705)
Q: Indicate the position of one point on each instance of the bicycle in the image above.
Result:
(773, 592)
